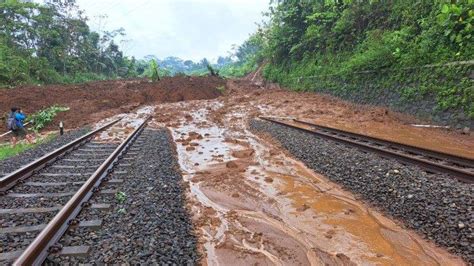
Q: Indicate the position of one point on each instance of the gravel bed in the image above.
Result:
(26, 189)
(67, 177)
(438, 207)
(43, 202)
(104, 198)
(18, 241)
(10, 220)
(62, 178)
(11, 164)
(152, 226)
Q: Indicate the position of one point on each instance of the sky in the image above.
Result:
(189, 29)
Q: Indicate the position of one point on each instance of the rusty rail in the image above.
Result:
(26, 171)
(38, 250)
(433, 161)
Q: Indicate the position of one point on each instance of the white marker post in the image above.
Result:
(61, 128)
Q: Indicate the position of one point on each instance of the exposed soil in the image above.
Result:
(253, 203)
(330, 111)
(90, 102)
(405, 192)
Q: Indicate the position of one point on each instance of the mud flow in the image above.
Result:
(123, 128)
(253, 204)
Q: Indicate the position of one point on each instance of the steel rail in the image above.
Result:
(455, 159)
(38, 250)
(26, 171)
(464, 174)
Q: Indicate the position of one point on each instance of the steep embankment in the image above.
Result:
(411, 57)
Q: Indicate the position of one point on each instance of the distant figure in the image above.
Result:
(15, 124)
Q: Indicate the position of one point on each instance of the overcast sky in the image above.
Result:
(189, 29)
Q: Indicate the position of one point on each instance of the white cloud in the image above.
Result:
(190, 29)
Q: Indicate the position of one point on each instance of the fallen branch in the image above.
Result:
(6, 133)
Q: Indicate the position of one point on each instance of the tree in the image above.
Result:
(154, 71)
(39, 41)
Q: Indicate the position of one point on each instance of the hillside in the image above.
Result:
(413, 57)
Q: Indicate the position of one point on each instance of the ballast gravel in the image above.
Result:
(148, 223)
(437, 206)
(16, 241)
(11, 164)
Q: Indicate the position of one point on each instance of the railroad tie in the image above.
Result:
(52, 184)
(65, 251)
(92, 224)
(74, 166)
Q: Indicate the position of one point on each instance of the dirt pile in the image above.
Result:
(93, 101)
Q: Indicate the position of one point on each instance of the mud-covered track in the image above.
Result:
(432, 161)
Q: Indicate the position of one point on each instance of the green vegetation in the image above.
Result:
(121, 197)
(7, 150)
(46, 43)
(42, 118)
(348, 47)
(172, 66)
(175, 66)
(154, 76)
(248, 56)
(212, 71)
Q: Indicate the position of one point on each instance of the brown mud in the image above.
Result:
(254, 204)
(363, 119)
(93, 101)
(251, 202)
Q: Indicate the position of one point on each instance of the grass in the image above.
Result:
(7, 150)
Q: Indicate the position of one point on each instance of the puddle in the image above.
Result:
(254, 205)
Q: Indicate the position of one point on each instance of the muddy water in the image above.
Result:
(253, 204)
(122, 129)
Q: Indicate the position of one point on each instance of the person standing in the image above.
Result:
(16, 125)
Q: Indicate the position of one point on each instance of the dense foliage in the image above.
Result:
(246, 57)
(171, 66)
(43, 117)
(343, 46)
(363, 35)
(46, 43)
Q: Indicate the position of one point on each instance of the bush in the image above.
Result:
(44, 117)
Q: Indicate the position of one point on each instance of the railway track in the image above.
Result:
(40, 201)
(432, 161)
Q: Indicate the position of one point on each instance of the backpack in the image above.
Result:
(11, 122)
